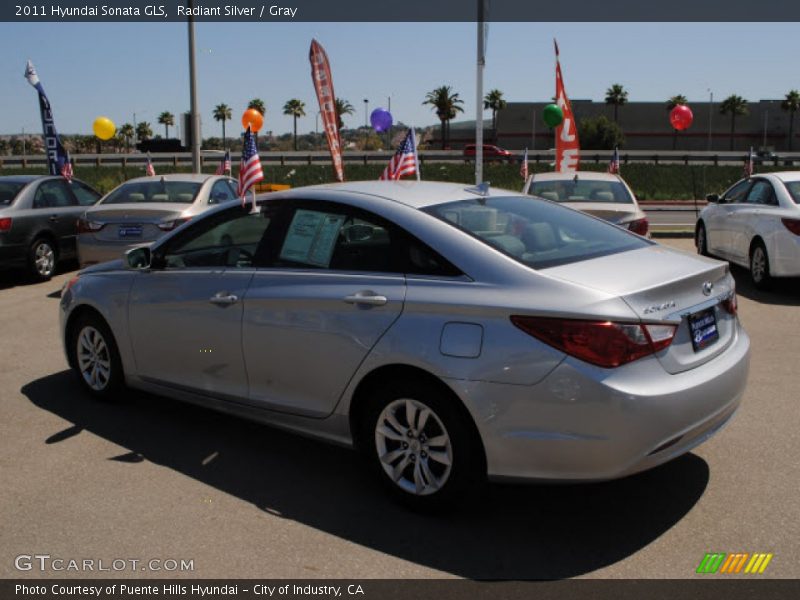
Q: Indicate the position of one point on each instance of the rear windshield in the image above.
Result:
(537, 234)
(793, 187)
(9, 191)
(583, 190)
(182, 192)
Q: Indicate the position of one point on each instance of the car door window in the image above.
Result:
(340, 238)
(86, 196)
(221, 192)
(53, 193)
(229, 239)
(738, 193)
(761, 194)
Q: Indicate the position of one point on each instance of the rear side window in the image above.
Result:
(536, 233)
(793, 187)
(582, 190)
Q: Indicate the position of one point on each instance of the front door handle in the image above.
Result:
(53, 218)
(224, 299)
(366, 297)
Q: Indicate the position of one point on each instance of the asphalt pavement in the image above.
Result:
(147, 478)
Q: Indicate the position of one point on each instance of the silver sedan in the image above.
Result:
(448, 332)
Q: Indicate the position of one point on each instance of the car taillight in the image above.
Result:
(730, 304)
(792, 225)
(170, 225)
(639, 226)
(86, 226)
(602, 343)
(5, 224)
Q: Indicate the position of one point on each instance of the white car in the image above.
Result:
(603, 195)
(755, 224)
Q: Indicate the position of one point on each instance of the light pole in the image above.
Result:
(766, 113)
(195, 117)
(366, 112)
(710, 113)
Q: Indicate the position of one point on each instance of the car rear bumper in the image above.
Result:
(13, 256)
(92, 251)
(584, 423)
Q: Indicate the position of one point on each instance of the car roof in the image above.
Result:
(416, 194)
(782, 175)
(24, 178)
(581, 175)
(198, 177)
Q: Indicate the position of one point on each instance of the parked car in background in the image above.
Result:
(141, 210)
(38, 216)
(448, 332)
(489, 152)
(755, 224)
(603, 195)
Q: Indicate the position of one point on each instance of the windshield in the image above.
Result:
(793, 187)
(583, 190)
(9, 191)
(537, 234)
(138, 192)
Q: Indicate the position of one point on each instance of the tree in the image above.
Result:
(599, 133)
(735, 106)
(446, 105)
(616, 95)
(494, 101)
(258, 104)
(166, 119)
(791, 104)
(222, 112)
(126, 133)
(295, 108)
(343, 107)
(679, 100)
(143, 131)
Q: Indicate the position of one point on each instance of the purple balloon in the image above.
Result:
(381, 119)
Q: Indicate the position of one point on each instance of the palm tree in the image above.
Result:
(494, 101)
(736, 106)
(126, 133)
(679, 100)
(294, 108)
(343, 107)
(258, 104)
(166, 119)
(446, 105)
(222, 112)
(792, 104)
(616, 95)
(143, 131)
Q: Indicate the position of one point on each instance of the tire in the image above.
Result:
(426, 464)
(759, 267)
(42, 259)
(94, 357)
(701, 240)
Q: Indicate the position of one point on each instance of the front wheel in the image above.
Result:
(95, 357)
(759, 267)
(421, 445)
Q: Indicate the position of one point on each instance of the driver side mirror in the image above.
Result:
(138, 259)
(713, 198)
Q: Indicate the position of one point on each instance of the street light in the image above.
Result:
(366, 112)
(710, 112)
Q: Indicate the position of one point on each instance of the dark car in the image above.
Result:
(38, 221)
(489, 152)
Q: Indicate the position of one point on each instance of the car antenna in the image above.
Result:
(482, 190)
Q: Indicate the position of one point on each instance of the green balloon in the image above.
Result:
(553, 115)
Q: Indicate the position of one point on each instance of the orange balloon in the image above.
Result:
(253, 119)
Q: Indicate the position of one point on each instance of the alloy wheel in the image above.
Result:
(758, 264)
(44, 259)
(94, 359)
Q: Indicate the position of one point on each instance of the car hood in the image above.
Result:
(612, 212)
(155, 212)
(111, 265)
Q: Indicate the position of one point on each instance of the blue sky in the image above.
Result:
(116, 69)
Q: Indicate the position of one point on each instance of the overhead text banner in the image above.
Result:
(407, 11)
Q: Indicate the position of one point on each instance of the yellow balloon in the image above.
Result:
(104, 128)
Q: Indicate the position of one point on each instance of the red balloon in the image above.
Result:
(681, 117)
(252, 118)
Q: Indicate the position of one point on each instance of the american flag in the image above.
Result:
(749, 164)
(225, 164)
(66, 168)
(250, 171)
(613, 166)
(523, 168)
(404, 161)
(148, 169)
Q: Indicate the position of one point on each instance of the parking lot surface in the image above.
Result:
(151, 479)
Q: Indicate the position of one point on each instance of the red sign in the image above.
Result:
(567, 146)
(323, 84)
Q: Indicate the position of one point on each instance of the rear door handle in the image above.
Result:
(53, 218)
(366, 297)
(224, 299)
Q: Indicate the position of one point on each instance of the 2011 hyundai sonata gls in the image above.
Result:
(448, 332)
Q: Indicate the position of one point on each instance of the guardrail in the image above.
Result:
(209, 158)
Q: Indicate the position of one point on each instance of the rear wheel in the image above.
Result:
(95, 357)
(759, 267)
(42, 259)
(701, 240)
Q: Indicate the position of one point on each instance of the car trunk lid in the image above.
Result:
(134, 222)
(613, 213)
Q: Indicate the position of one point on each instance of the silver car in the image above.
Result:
(142, 210)
(448, 332)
